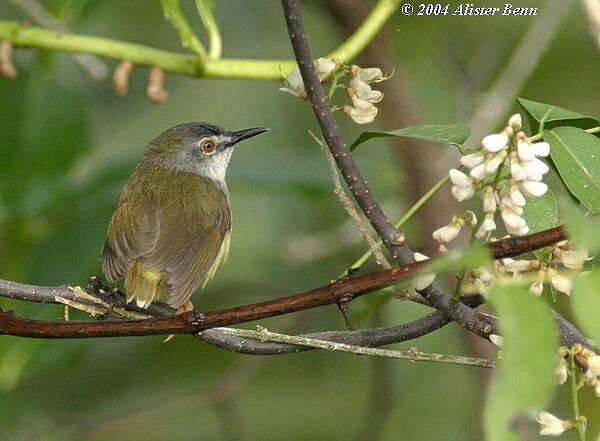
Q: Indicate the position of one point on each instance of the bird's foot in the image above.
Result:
(186, 307)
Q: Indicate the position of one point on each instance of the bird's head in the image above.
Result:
(197, 147)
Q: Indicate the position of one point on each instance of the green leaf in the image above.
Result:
(454, 134)
(582, 230)
(541, 214)
(549, 116)
(576, 155)
(525, 378)
(585, 302)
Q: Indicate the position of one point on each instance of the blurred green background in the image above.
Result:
(67, 145)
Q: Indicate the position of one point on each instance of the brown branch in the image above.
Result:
(193, 322)
(347, 288)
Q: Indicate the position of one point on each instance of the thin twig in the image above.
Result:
(349, 206)
(412, 354)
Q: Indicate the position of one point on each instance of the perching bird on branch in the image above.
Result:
(171, 228)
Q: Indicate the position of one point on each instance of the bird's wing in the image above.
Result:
(133, 232)
(194, 240)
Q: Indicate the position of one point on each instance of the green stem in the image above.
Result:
(205, 10)
(21, 35)
(576, 413)
(540, 135)
(362, 259)
(366, 32)
(188, 38)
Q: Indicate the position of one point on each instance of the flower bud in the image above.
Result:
(495, 142)
(515, 122)
(472, 160)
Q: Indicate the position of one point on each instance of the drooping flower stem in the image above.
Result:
(579, 420)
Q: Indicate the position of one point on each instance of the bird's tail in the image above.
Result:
(142, 285)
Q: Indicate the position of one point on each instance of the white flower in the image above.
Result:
(541, 149)
(559, 282)
(551, 425)
(459, 178)
(492, 165)
(512, 221)
(363, 91)
(534, 169)
(515, 209)
(517, 266)
(573, 259)
(324, 67)
(516, 170)
(362, 111)
(537, 288)
(496, 142)
(463, 187)
(516, 197)
(487, 226)
(533, 188)
(472, 160)
(560, 371)
(447, 233)
(294, 83)
(479, 172)
(367, 74)
(593, 365)
(489, 200)
(421, 282)
(515, 122)
(528, 151)
(463, 193)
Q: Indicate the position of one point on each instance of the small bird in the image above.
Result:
(171, 228)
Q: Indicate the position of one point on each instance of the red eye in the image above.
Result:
(208, 145)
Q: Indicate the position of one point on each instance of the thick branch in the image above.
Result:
(193, 322)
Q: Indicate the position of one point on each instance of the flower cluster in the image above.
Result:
(364, 98)
(547, 272)
(505, 195)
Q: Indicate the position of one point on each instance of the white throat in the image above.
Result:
(215, 168)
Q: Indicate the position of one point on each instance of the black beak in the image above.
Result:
(240, 135)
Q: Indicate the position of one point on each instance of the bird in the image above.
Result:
(171, 227)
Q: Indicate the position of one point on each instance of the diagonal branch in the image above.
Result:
(470, 319)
